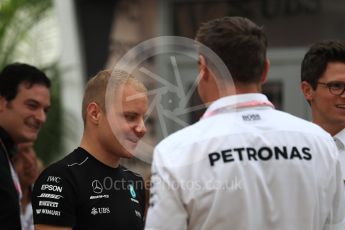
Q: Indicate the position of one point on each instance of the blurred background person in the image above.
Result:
(28, 167)
(24, 103)
(323, 86)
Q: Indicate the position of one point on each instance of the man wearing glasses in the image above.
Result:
(323, 85)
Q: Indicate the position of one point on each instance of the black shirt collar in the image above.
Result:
(7, 141)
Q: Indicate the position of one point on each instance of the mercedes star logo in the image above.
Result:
(97, 186)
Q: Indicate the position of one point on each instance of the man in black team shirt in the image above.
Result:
(88, 189)
(24, 102)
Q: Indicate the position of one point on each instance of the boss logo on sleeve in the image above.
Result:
(251, 117)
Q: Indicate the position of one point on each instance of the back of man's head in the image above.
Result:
(95, 90)
(315, 61)
(240, 43)
(17, 73)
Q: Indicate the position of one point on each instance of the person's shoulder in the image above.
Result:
(61, 167)
(182, 137)
(294, 123)
(130, 174)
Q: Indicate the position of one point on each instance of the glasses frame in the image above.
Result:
(330, 84)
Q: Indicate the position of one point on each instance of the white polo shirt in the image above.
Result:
(247, 166)
(340, 141)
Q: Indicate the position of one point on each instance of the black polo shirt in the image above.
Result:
(81, 192)
(9, 198)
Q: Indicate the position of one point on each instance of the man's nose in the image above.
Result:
(140, 129)
(41, 116)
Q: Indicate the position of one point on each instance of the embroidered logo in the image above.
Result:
(97, 186)
(132, 191)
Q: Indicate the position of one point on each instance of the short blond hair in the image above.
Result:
(96, 87)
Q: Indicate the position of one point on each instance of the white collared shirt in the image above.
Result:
(339, 139)
(247, 167)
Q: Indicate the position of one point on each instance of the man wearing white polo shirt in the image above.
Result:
(323, 85)
(244, 165)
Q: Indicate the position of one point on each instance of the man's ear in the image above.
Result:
(265, 71)
(203, 68)
(93, 113)
(3, 103)
(307, 90)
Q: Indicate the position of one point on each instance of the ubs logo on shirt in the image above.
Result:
(97, 186)
(98, 211)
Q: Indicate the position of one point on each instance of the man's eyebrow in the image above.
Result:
(136, 96)
(30, 100)
(130, 112)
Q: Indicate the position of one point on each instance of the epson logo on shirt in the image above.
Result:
(50, 187)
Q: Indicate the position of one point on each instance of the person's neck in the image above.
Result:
(7, 142)
(26, 198)
(247, 88)
(241, 89)
(330, 128)
(93, 147)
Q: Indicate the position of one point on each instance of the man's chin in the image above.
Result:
(129, 149)
(27, 137)
(127, 154)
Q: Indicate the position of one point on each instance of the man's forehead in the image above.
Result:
(30, 85)
(130, 92)
(33, 88)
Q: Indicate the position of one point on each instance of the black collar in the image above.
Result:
(6, 139)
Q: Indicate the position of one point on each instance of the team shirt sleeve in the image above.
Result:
(336, 218)
(166, 210)
(54, 198)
